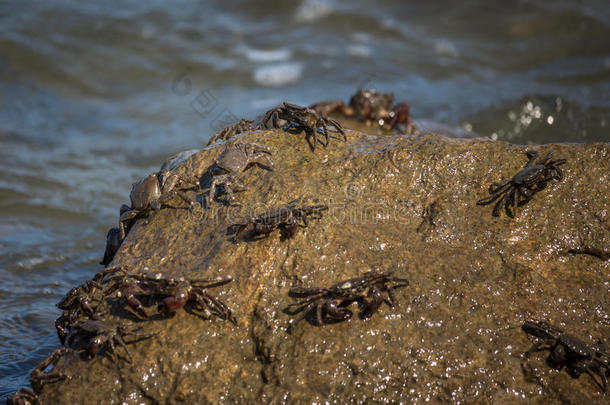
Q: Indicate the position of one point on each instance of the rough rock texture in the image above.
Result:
(403, 203)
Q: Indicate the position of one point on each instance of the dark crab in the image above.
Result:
(77, 300)
(97, 333)
(232, 130)
(114, 239)
(569, 351)
(38, 376)
(299, 118)
(176, 294)
(371, 107)
(234, 160)
(519, 189)
(331, 302)
(287, 219)
(24, 396)
(151, 193)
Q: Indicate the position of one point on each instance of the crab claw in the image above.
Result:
(129, 290)
(136, 305)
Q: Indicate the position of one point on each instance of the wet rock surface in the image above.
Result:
(395, 202)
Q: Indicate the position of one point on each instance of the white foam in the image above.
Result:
(30, 262)
(262, 55)
(446, 48)
(358, 50)
(312, 10)
(278, 74)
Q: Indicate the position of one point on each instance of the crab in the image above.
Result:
(569, 351)
(519, 189)
(232, 130)
(78, 298)
(75, 301)
(99, 333)
(23, 396)
(303, 119)
(371, 107)
(176, 293)
(287, 219)
(331, 302)
(151, 193)
(232, 161)
(114, 239)
(38, 376)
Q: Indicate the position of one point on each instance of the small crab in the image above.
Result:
(303, 119)
(150, 193)
(287, 219)
(38, 376)
(519, 189)
(103, 333)
(332, 301)
(234, 160)
(176, 293)
(75, 301)
(114, 239)
(232, 130)
(567, 350)
(24, 396)
(371, 107)
(78, 298)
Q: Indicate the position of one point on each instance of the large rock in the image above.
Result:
(396, 202)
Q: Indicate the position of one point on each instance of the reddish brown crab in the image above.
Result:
(331, 302)
(287, 219)
(175, 293)
(373, 108)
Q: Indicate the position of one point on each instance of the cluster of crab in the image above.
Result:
(83, 324)
(366, 105)
(84, 314)
(158, 189)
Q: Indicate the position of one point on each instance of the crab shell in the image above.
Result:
(232, 160)
(151, 188)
